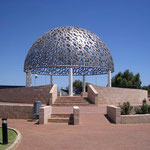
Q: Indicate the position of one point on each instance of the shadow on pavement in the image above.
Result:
(108, 118)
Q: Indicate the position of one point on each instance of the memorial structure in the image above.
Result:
(68, 51)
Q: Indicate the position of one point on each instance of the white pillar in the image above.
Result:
(109, 78)
(83, 86)
(51, 80)
(70, 82)
(28, 78)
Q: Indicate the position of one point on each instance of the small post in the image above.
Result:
(51, 79)
(4, 130)
(109, 78)
(83, 86)
(28, 78)
(70, 82)
(76, 114)
(35, 79)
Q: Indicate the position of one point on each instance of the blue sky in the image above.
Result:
(123, 25)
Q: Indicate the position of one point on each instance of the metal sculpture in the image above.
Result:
(64, 47)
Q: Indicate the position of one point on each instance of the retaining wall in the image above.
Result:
(26, 94)
(15, 111)
(111, 95)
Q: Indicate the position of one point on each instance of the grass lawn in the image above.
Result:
(11, 138)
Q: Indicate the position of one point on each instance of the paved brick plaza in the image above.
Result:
(95, 132)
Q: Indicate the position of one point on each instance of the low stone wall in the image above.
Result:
(53, 94)
(111, 95)
(141, 118)
(45, 114)
(92, 95)
(15, 111)
(26, 94)
(114, 113)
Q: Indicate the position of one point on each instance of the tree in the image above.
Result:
(147, 88)
(126, 80)
(77, 85)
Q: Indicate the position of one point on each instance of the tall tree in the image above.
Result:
(77, 85)
(127, 80)
(147, 88)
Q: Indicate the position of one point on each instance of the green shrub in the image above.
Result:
(144, 109)
(149, 109)
(138, 110)
(125, 108)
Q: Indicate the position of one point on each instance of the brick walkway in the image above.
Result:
(95, 132)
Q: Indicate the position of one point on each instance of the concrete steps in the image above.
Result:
(60, 115)
(72, 104)
(58, 120)
(61, 118)
(72, 101)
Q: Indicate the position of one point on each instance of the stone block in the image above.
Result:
(45, 113)
(114, 113)
(76, 114)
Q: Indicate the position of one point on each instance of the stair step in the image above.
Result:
(70, 99)
(60, 116)
(75, 104)
(58, 120)
(71, 102)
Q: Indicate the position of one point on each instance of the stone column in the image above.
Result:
(83, 86)
(28, 78)
(109, 78)
(70, 82)
(51, 80)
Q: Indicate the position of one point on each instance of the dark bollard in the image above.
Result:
(4, 130)
(36, 108)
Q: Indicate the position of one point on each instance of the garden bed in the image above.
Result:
(126, 114)
(137, 118)
(11, 138)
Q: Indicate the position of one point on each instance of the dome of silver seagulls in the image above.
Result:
(64, 47)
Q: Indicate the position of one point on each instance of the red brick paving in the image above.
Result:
(95, 132)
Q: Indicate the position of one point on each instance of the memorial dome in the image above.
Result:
(64, 47)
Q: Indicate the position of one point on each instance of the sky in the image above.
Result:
(123, 25)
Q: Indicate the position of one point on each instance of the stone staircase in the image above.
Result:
(61, 118)
(72, 101)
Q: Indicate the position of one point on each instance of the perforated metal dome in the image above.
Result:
(64, 47)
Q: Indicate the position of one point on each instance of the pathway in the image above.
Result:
(95, 132)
